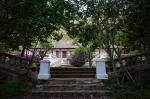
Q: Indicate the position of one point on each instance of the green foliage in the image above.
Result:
(98, 24)
(3, 47)
(85, 34)
(46, 44)
(25, 21)
(79, 57)
(13, 89)
(120, 40)
(126, 91)
(137, 24)
(131, 93)
(137, 75)
(135, 52)
(126, 88)
(81, 50)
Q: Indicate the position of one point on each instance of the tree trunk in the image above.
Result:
(90, 61)
(148, 54)
(90, 57)
(44, 54)
(23, 51)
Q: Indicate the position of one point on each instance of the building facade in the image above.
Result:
(64, 48)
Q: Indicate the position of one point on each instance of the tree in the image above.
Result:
(82, 34)
(81, 29)
(23, 22)
(96, 23)
(138, 25)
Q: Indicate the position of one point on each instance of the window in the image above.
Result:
(57, 54)
(64, 54)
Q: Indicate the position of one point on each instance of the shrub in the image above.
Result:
(79, 57)
(14, 89)
(127, 89)
(30, 57)
(139, 73)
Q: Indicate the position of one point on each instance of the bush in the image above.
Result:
(14, 89)
(127, 89)
(79, 57)
(129, 92)
(140, 75)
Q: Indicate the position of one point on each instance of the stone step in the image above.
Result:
(82, 94)
(68, 81)
(102, 92)
(72, 69)
(73, 72)
(70, 87)
(64, 96)
(71, 81)
(71, 84)
(73, 75)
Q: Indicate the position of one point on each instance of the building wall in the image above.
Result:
(99, 53)
(59, 53)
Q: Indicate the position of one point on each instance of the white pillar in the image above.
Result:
(101, 69)
(44, 73)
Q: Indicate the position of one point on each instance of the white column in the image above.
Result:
(101, 69)
(44, 73)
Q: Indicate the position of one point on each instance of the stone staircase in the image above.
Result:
(73, 72)
(71, 83)
(70, 88)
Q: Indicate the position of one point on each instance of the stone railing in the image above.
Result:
(17, 62)
(128, 60)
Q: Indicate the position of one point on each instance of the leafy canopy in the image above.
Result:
(25, 21)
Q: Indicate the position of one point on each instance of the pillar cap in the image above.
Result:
(46, 61)
(101, 60)
(46, 58)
